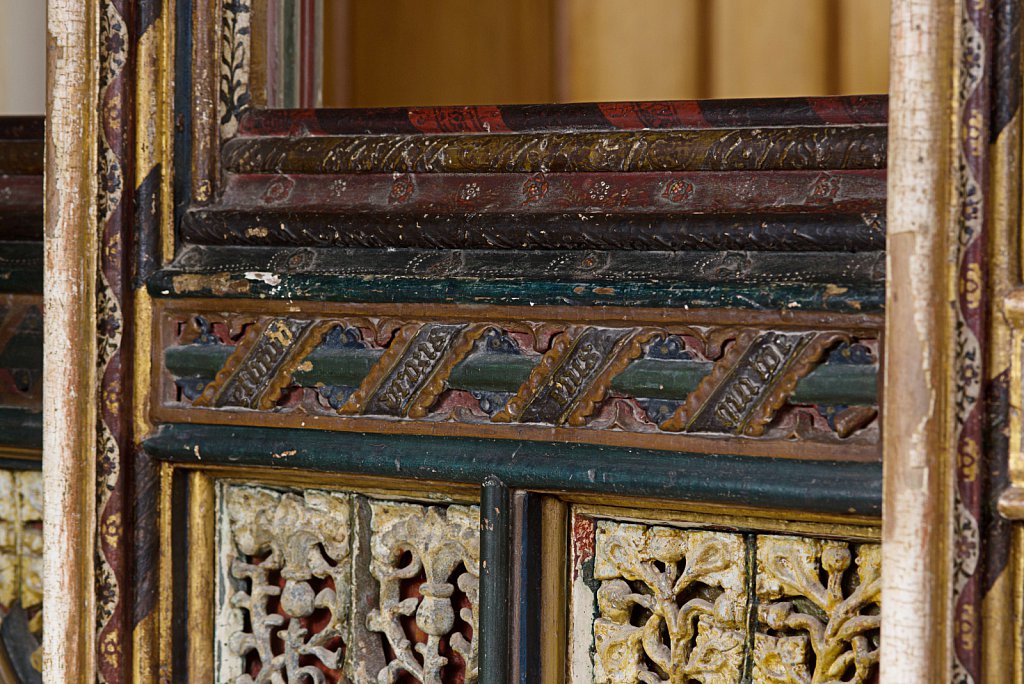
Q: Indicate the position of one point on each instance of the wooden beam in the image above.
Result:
(918, 456)
(69, 366)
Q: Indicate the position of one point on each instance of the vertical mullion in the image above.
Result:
(495, 544)
(200, 600)
(525, 585)
(553, 589)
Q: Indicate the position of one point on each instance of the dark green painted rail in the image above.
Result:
(21, 429)
(394, 290)
(845, 384)
(827, 487)
(495, 587)
(21, 267)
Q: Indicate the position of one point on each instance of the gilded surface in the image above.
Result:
(671, 605)
(440, 549)
(819, 605)
(682, 605)
(286, 584)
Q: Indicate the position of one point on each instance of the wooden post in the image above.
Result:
(916, 527)
(69, 395)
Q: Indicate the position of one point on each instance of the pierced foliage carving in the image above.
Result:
(819, 605)
(426, 560)
(21, 544)
(671, 605)
(287, 570)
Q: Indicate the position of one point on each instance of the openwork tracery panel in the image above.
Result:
(323, 587)
(285, 585)
(819, 603)
(21, 563)
(657, 604)
(426, 560)
(671, 604)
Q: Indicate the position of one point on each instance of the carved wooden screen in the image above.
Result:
(545, 393)
(21, 361)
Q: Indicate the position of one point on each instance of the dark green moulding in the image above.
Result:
(823, 487)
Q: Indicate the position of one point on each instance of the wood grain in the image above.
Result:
(777, 49)
(69, 405)
(449, 52)
(611, 47)
(916, 522)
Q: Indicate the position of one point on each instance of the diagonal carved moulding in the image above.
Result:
(634, 383)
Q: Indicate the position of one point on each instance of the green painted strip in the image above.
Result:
(21, 464)
(21, 267)
(647, 378)
(395, 289)
(20, 428)
(495, 587)
(832, 487)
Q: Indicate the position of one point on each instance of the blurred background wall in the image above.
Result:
(22, 57)
(422, 52)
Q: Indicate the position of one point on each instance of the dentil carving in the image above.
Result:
(819, 611)
(287, 566)
(670, 606)
(426, 560)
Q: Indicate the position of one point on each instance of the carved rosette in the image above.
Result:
(285, 585)
(426, 560)
(819, 605)
(671, 605)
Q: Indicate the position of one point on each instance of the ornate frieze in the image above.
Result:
(819, 604)
(426, 560)
(660, 604)
(640, 382)
(671, 605)
(285, 583)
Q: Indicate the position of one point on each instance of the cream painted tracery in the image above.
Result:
(290, 550)
(439, 546)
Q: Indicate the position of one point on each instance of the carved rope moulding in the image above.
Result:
(704, 380)
(656, 604)
(324, 587)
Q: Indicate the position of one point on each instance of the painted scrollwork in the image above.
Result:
(671, 605)
(426, 560)
(819, 611)
(287, 566)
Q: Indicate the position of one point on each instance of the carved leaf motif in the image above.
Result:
(819, 617)
(21, 544)
(670, 605)
(286, 564)
(438, 548)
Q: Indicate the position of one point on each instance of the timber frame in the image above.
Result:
(176, 290)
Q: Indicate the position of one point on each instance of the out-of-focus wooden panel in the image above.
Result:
(410, 52)
(863, 46)
(337, 53)
(770, 48)
(628, 50)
